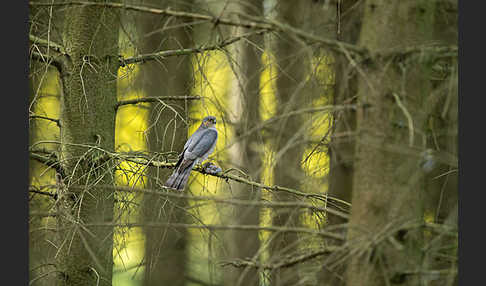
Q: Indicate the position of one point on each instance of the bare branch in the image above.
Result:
(257, 23)
(164, 54)
(429, 49)
(155, 99)
(154, 163)
(36, 190)
(224, 200)
(49, 159)
(226, 176)
(254, 23)
(156, 11)
(57, 121)
(285, 261)
(59, 58)
(55, 61)
(50, 44)
(213, 227)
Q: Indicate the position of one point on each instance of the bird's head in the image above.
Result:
(209, 121)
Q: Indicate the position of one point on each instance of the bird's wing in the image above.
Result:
(202, 144)
(191, 139)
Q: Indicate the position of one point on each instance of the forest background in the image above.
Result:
(337, 129)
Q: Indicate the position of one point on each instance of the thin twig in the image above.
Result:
(48, 59)
(52, 45)
(180, 52)
(285, 262)
(50, 160)
(57, 121)
(408, 116)
(154, 163)
(224, 200)
(155, 99)
(257, 23)
(213, 227)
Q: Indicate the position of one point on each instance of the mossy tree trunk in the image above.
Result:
(85, 254)
(388, 186)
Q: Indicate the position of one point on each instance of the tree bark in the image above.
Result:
(246, 155)
(341, 149)
(388, 184)
(287, 170)
(85, 254)
(165, 248)
(441, 201)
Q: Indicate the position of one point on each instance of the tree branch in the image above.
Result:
(57, 121)
(48, 44)
(154, 163)
(223, 200)
(163, 54)
(156, 11)
(284, 262)
(213, 227)
(55, 61)
(154, 99)
(406, 51)
(59, 58)
(258, 23)
(255, 23)
(49, 159)
(226, 176)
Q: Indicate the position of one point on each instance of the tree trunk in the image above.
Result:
(165, 247)
(88, 118)
(387, 196)
(246, 154)
(442, 181)
(341, 149)
(287, 170)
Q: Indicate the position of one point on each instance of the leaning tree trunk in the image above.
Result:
(165, 247)
(88, 100)
(245, 155)
(387, 198)
(287, 170)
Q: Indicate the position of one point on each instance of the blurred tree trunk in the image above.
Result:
(287, 171)
(442, 125)
(344, 122)
(42, 22)
(442, 129)
(388, 184)
(38, 250)
(165, 247)
(246, 155)
(85, 254)
(341, 149)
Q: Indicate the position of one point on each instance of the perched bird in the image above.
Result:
(197, 149)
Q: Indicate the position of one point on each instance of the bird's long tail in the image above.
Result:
(180, 176)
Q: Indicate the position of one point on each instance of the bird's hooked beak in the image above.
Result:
(209, 123)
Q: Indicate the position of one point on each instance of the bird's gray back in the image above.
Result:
(201, 144)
